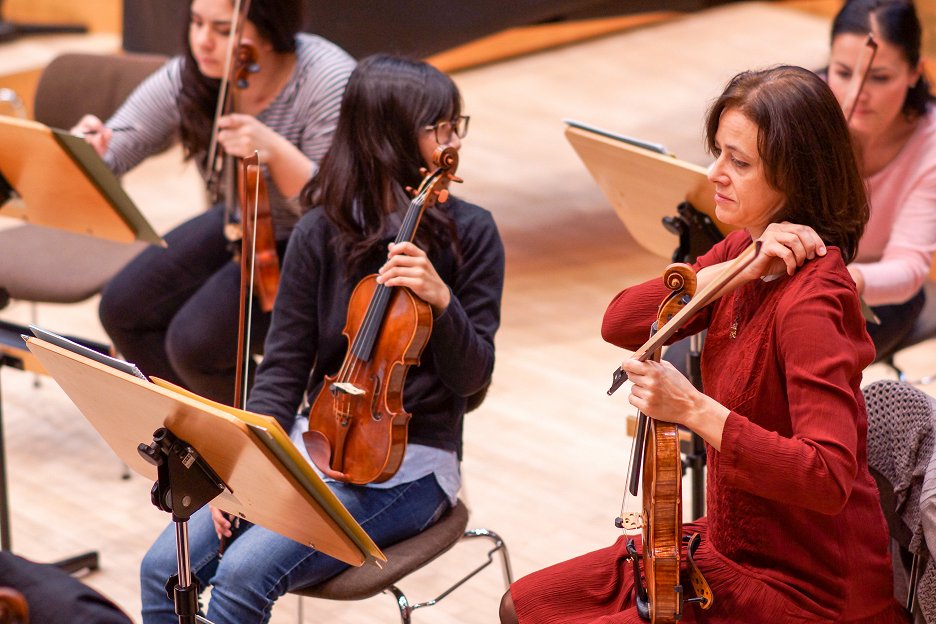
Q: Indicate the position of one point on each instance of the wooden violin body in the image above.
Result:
(405, 332)
(258, 246)
(357, 423)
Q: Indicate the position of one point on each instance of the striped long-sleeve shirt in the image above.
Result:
(305, 112)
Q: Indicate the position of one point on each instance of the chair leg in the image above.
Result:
(915, 569)
(499, 545)
(402, 603)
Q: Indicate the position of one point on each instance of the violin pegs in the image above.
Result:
(454, 178)
(443, 196)
(411, 190)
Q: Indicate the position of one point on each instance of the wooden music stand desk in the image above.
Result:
(58, 180)
(267, 481)
(643, 186)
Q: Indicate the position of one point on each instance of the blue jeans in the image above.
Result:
(259, 566)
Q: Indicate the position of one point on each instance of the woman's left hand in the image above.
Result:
(408, 265)
(662, 392)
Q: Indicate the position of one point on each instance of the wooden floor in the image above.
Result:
(545, 456)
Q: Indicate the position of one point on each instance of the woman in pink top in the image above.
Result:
(894, 125)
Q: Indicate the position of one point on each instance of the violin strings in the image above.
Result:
(371, 321)
(630, 463)
(373, 317)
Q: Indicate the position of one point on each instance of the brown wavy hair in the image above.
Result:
(806, 148)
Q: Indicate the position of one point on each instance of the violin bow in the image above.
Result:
(240, 16)
(862, 68)
(702, 298)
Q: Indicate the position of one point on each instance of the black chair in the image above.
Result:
(404, 558)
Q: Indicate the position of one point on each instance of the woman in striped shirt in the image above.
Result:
(174, 311)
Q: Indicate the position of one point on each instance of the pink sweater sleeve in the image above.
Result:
(896, 251)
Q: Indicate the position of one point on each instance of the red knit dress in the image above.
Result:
(794, 531)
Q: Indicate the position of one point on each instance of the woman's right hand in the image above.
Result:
(93, 130)
(784, 248)
(221, 523)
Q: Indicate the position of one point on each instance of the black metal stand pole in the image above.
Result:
(185, 484)
(696, 458)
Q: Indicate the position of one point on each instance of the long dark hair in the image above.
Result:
(277, 22)
(807, 150)
(899, 25)
(375, 153)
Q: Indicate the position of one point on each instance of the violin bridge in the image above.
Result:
(630, 521)
(347, 388)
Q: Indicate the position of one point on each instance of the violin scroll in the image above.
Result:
(680, 279)
(246, 64)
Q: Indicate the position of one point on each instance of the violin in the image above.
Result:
(661, 521)
(656, 459)
(357, 423)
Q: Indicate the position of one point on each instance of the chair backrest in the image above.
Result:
(901, 442)
(76, 84)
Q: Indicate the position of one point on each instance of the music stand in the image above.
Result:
(44, 174)
(643, 182)
(31, 153)
(205, 450)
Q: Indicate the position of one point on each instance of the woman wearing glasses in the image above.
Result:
(394, 115)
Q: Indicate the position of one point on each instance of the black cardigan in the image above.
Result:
(311, 311)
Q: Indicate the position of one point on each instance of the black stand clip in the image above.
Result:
(185, 484)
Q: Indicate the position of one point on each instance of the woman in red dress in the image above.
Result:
(794, 531)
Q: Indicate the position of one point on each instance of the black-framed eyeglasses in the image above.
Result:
(445, 129)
